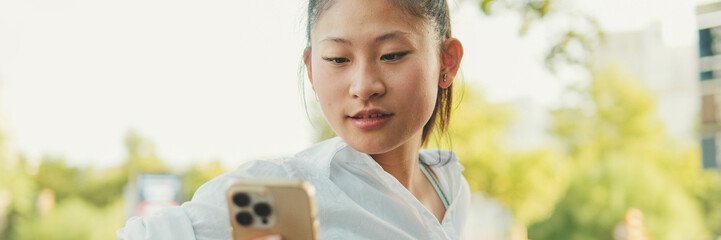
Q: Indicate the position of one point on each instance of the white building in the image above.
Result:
(709, 68)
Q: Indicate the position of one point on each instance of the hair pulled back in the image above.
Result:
(434, 12)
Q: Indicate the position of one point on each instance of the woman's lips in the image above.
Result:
(371, 121)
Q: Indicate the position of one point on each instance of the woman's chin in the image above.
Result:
(379, 142)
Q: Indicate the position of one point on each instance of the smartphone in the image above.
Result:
(272, 206)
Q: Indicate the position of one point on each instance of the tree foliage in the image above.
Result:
(73, 218)
(571, 45)
(19, 189)
(98, 187)
(623, 159)
(526, 181)
(88, 202)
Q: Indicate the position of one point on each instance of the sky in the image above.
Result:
(219, 79)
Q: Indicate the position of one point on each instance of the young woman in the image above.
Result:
(383, 72)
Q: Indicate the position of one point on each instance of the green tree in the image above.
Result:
(527, 182)
(571, 46)
(17, 186)
(709, 195)
(17, 189)
(99, 187)
(73, 218)
(88, 201)
(622, 159)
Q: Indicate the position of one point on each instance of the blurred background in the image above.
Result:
(582, 119)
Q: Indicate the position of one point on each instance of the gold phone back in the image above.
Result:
(292, 209)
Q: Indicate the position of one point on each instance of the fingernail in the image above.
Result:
(274, 237)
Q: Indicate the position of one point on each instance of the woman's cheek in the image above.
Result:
(415, 81)
(330, 94)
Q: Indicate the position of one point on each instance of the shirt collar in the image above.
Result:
(323, 153)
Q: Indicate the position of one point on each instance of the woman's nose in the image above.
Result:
(366, 82)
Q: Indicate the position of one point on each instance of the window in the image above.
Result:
(705, 42)
(708, 109)
(708, 152)
(707, 75)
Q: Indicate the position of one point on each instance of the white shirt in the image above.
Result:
(355, 197)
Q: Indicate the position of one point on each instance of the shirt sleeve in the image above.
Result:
(171, 223)
(206, 215)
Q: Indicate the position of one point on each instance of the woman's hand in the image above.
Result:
(270, 237)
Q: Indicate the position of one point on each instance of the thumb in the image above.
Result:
(270, 237)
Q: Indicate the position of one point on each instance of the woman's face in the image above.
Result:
(376, 72)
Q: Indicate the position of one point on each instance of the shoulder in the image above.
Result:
(446, 167)
(440, 158)
(449, 171)
(304, 165)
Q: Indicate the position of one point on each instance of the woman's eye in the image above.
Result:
(393, 56)
(337, 60)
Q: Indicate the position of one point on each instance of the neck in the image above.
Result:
(402, 163)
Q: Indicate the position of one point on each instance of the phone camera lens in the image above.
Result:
(241, 199)
(262, 209)
(244, 218)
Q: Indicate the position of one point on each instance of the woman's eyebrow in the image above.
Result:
(390, 35)
(381, 38)
(337, 40)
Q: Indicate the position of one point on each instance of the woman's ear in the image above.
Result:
(450, 61)
(308, 66)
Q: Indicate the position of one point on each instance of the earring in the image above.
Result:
(444, 78)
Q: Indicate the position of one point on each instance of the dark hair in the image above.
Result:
(434, 12)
